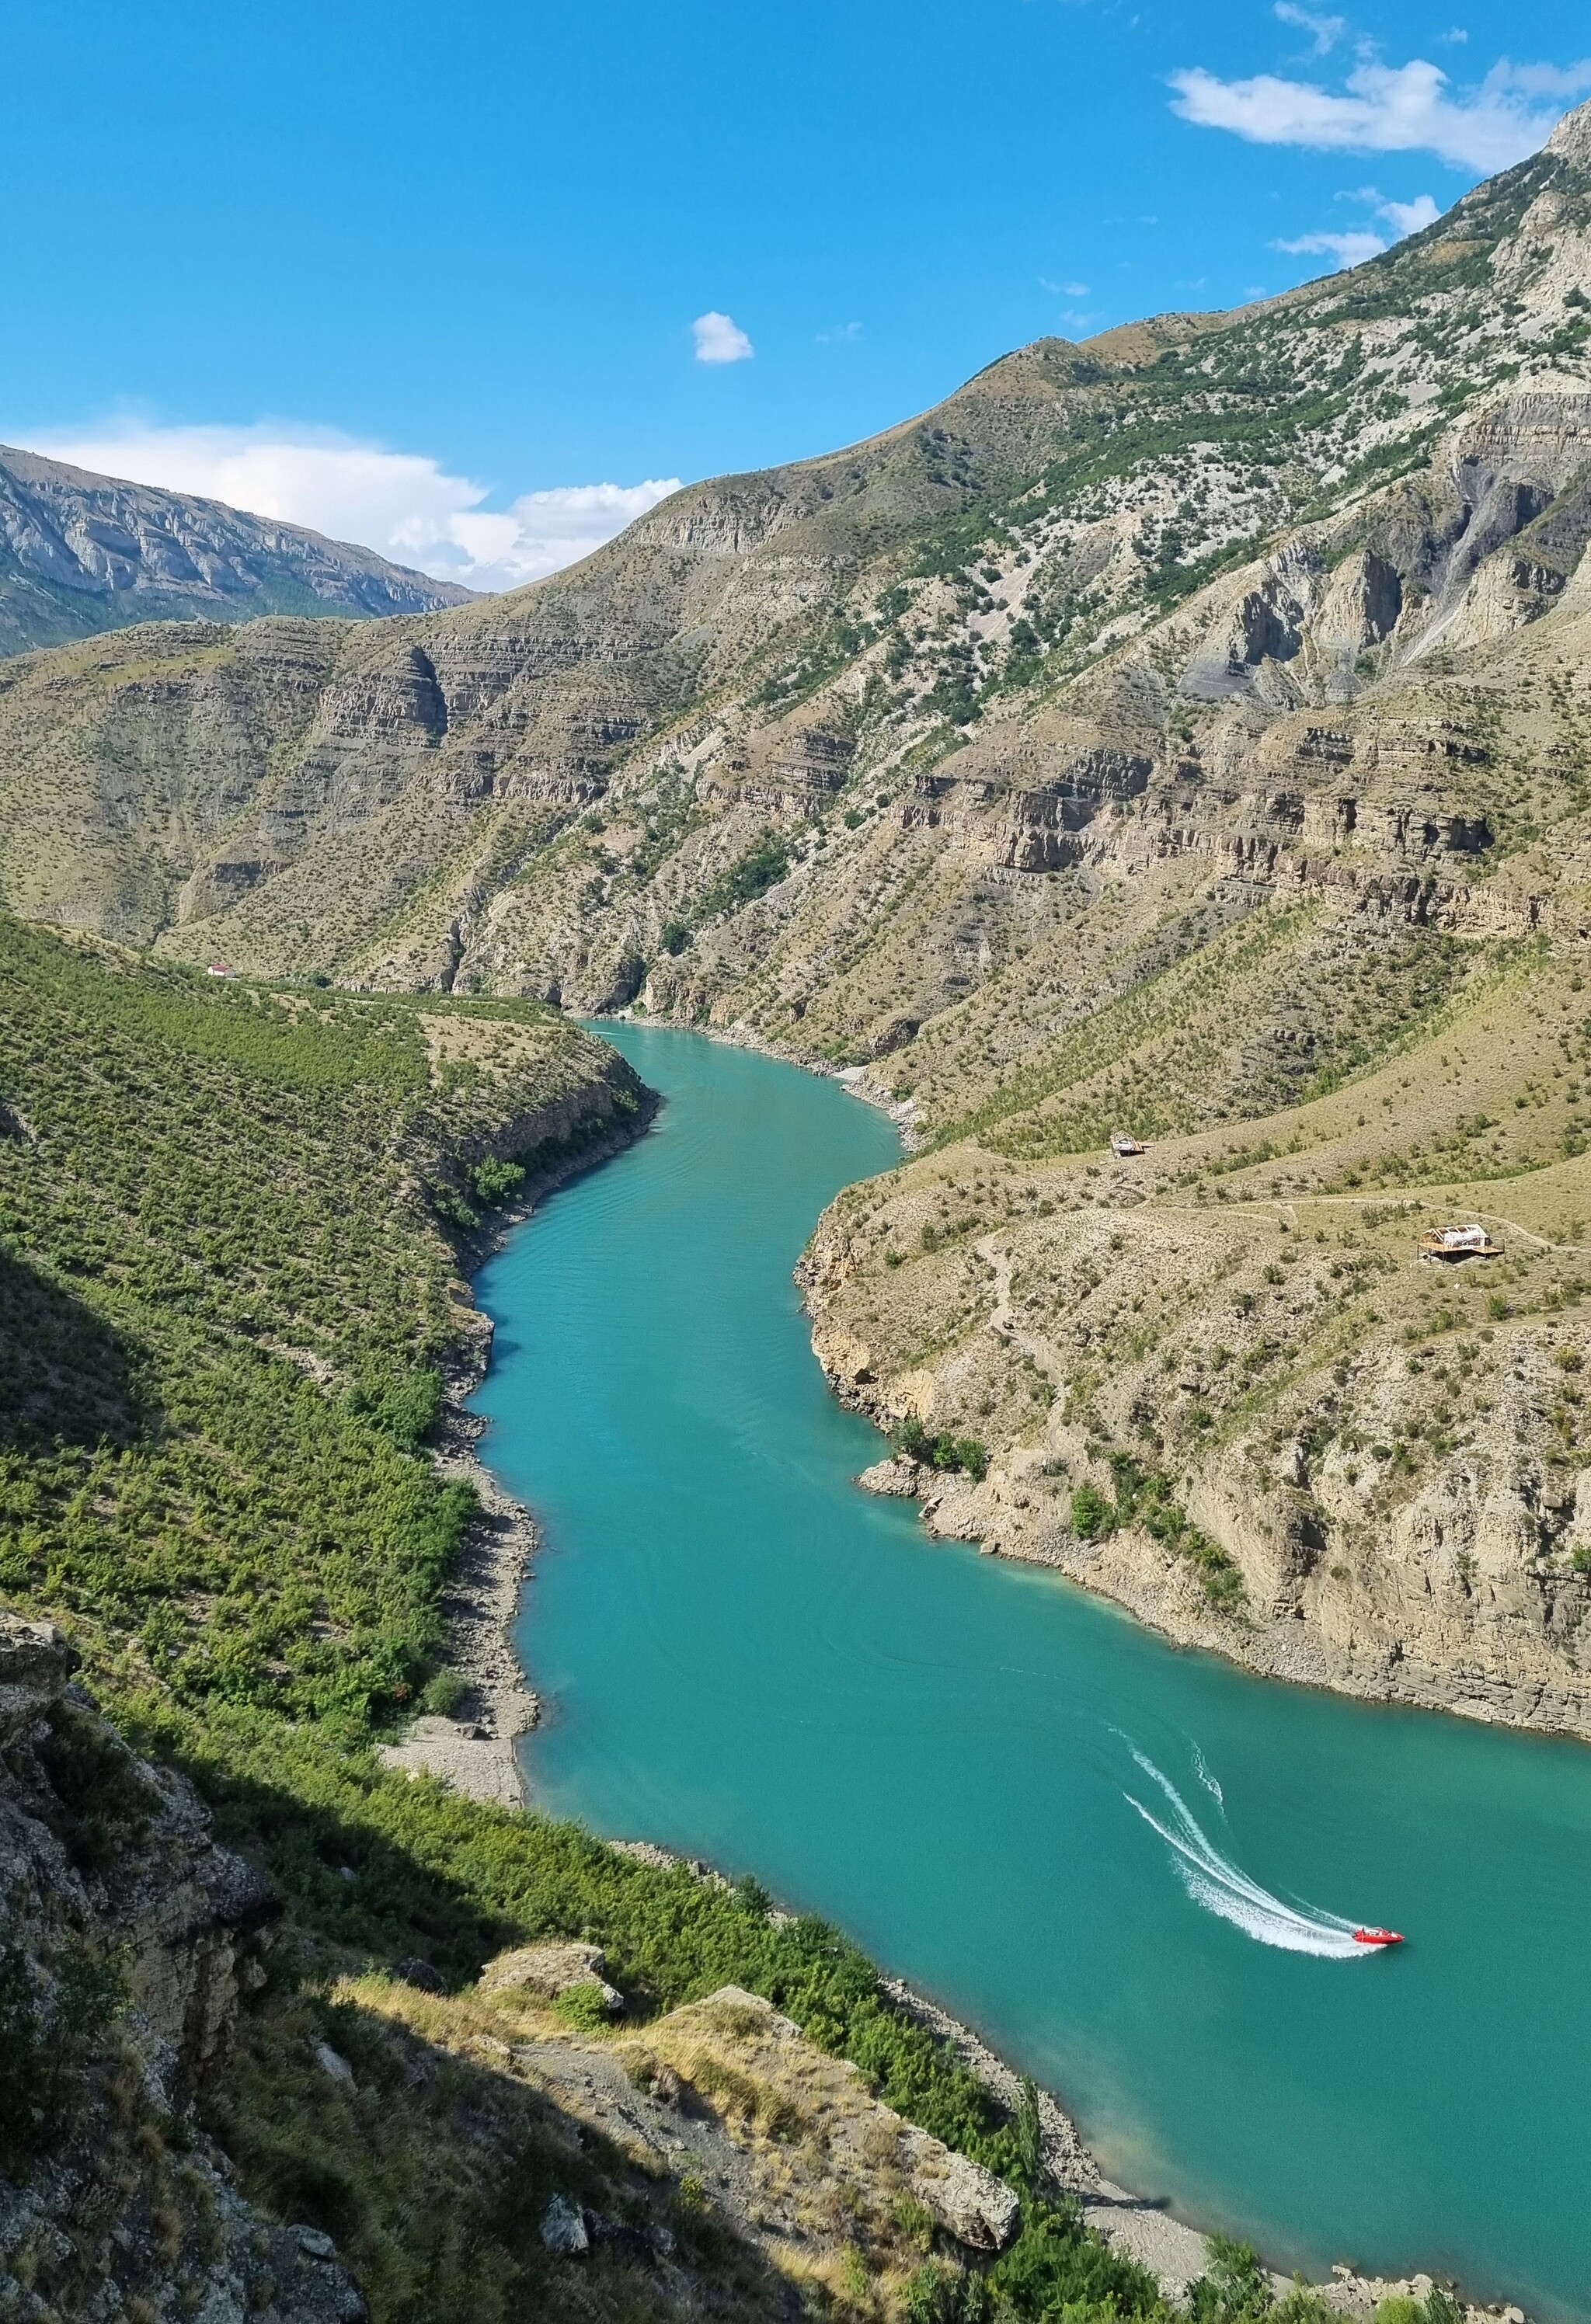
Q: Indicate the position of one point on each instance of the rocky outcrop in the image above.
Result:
(129, 1941)
(553, 1970)
(779, 2076)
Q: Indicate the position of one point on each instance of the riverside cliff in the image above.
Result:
(130, 1942)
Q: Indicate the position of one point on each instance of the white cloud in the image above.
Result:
(1409, 218)
(1352, 245)
(1347, 249)
(719, 339)
(1387, 109)
(543, 531)
(1325, 32)
(402, 504)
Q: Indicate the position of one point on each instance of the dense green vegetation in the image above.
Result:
(761, 867)
(915, 1442)
(226, 1299)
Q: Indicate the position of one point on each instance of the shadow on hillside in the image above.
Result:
(383, 2162)
(65, 1374)
(348, 1883)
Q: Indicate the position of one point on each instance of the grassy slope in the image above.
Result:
(1382, 1457)
(227, 1294)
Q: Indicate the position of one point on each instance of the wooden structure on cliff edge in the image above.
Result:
(1451, 1245)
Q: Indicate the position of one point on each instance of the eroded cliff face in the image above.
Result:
(1217, 1382)
(128, 1942)
(708, 769)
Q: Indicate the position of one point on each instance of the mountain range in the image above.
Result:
(1160, 775)
(80, 554)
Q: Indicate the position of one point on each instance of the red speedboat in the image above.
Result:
(1377, 1937)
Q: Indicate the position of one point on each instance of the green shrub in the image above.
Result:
(761, 867)
(442, 1695)
(105, 1802)
(494, 1181)
(48, 2042)
(583, 2007)
(1093, 1517)
(912, 1442)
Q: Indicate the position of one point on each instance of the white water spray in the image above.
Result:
(1221, 1886)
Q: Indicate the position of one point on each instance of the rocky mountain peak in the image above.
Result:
(1572, 138)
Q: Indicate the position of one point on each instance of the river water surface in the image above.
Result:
(1134, 1870)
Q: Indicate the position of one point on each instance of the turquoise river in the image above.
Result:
(1128, 1867)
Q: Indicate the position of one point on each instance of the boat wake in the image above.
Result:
(1223, 1887)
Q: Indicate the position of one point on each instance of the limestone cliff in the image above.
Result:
(701, 767)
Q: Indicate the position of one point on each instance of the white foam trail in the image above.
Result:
(1202, 1771)
(1223, 1887)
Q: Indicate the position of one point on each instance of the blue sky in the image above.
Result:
(390, 269)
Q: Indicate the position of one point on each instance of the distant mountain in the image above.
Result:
(80, 553)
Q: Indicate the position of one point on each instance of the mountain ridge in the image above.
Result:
(81, 553)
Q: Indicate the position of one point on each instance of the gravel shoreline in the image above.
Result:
(474, 1748)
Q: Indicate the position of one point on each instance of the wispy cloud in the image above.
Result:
(1392, 109)
(541, 533)
(843, 334)
(1348, 249)
(402, 504)
(1325, 32)
(1351, 247)
(719, 339)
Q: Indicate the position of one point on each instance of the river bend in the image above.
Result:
(1134, 1870)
